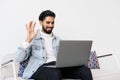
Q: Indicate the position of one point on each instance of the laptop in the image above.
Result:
(73, 53)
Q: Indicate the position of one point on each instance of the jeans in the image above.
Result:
(48, 73)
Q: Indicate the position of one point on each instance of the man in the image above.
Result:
(41, 48)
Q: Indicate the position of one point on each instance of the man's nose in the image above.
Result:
(50, 25)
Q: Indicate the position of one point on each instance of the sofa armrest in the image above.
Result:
(104, 55)
(7, 63)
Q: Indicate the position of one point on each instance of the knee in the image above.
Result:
(86, 72)
(56, 73)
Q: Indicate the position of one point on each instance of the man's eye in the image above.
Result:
(47, 22)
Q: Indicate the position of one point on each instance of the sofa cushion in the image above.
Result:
(93, 62)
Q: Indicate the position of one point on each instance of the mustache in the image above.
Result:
(50, 27)
(47, 31)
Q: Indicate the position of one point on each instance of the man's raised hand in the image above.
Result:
(31, 34)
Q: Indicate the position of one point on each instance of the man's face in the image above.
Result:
(47, 24)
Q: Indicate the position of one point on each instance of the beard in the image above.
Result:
(47, 31)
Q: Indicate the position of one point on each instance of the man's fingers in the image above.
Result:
(30, 24)
(26, 27)
(34, 24)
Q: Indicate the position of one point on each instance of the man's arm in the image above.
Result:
(24, 50)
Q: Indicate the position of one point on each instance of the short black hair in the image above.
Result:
(45, 14)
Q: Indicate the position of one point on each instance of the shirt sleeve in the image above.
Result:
(25, 44)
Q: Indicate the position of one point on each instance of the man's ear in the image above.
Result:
(41, 22)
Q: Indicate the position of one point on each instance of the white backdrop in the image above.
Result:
(97, 20)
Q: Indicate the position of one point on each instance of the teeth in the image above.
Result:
(49, 28)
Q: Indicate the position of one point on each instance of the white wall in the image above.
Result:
(96, 20)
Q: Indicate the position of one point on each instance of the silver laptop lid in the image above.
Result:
(73, 53)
